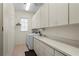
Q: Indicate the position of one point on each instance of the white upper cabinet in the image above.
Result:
(58, 14)
(52, 14)
(74, 13)
(55, 14)
(44, 15)
(37, 19)
(62, 13)
(33, 22)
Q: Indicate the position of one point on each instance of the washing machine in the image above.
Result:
(30, 41)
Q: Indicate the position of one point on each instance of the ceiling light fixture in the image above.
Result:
(27, 6)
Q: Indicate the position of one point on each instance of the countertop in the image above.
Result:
(60, 46)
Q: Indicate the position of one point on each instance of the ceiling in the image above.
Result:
(33, 8)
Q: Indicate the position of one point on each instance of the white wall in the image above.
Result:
(21, 36)
(1, 33)
(9, 28)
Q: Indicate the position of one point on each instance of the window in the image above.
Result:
(24, 24)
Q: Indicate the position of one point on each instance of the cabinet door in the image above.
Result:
(42, 49)
(57, 53)
(47, 51)
(52, 15)
(74, 13)
(62, 13)
(44, 15)
(58, 14)
(37, 19)
(33, 22)
(36, 46)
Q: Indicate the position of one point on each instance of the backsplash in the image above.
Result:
(69, 32)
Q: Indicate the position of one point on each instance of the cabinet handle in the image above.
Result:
(2, 28)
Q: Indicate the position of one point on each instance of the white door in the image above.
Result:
(44, 15)
(9, 28)
(74, 13)
(1, 33)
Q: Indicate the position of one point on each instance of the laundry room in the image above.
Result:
(39, 29)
